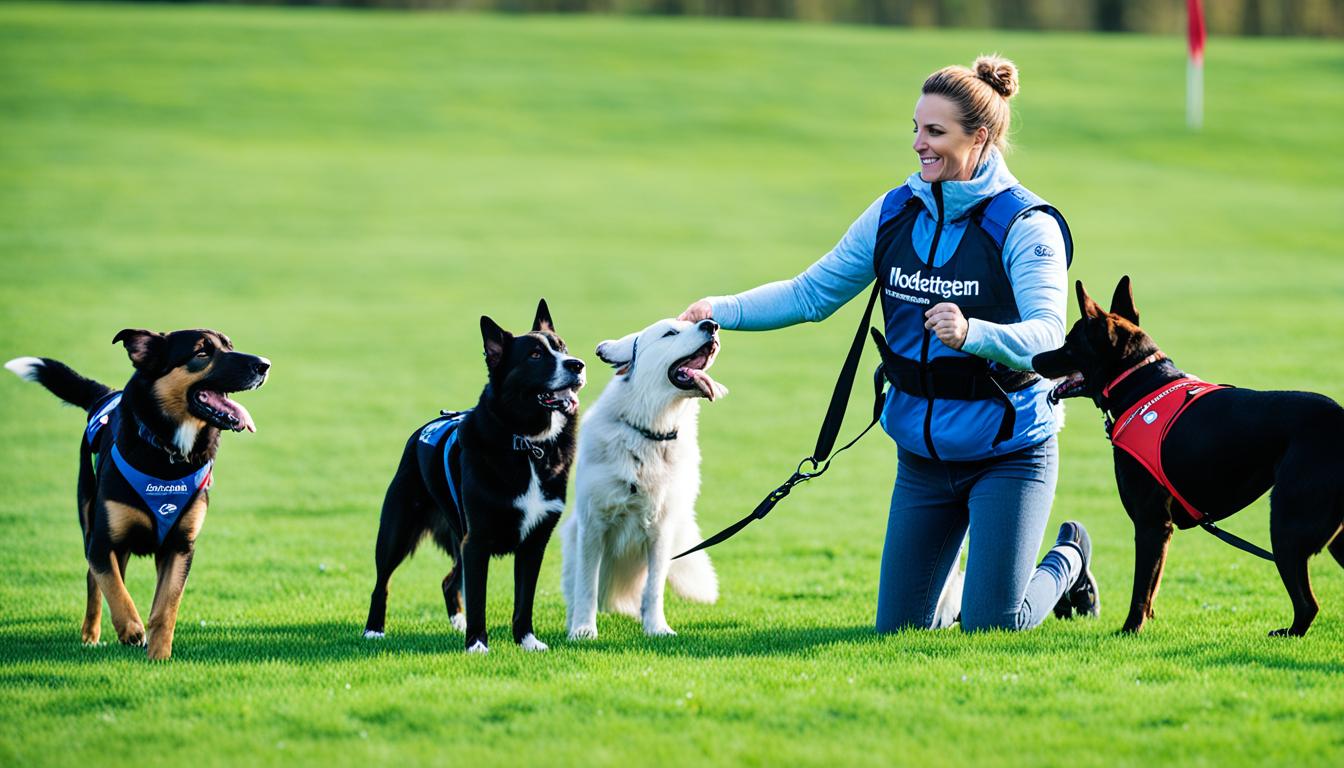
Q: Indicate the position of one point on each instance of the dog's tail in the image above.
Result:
(59, 379)
(693, 576)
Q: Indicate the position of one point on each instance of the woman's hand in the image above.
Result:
(700, 310)
(947, 322)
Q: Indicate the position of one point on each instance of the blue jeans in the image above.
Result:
(1005, 503)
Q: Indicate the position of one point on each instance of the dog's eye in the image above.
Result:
(536, 354)
(203, 353)
(672, 332)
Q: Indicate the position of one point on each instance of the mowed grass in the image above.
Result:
(346, 193)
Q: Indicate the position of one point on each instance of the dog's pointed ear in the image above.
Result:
(543, 319)
(143, 347)
(1086, 305)
(496, 341)
(1122, 303)
(618, 353)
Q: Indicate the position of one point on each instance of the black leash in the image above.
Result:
(830, 430)
(1235, 540)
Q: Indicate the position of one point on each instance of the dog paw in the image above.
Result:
(659, 630)
(531, 643)
(370, 634)
(478, 647)
(583, 632)
(1286, 632)
(132, 634)
(459, 622)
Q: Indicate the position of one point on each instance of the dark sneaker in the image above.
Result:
(1081, 599)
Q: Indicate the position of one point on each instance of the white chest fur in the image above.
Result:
(535, 505)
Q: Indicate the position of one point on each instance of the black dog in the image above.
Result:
(488, 481)
(154, 442)
(1226, 448)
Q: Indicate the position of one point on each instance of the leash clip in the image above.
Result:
(521, 443)
(818, 469)
(798, 476)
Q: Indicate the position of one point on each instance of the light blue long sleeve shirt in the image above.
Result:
(1033, 256)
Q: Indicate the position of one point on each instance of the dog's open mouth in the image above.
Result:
(564, 400)
(689, 373)
(1072, 385)
(217, 409)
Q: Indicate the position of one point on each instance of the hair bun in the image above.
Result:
(999, 73)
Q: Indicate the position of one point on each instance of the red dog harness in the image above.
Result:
(1141, 430)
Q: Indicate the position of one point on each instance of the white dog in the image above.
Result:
(636, 480)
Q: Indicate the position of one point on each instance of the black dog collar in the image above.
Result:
(650, 434)
(174, 454)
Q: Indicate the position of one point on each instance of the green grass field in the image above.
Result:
(346, 192)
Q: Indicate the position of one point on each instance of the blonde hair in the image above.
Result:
(981, 94)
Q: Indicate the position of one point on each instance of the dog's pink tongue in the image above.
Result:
(235, 409)
(709, 387)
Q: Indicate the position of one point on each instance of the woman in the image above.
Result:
(973, 279)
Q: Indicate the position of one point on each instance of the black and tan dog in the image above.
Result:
(1219, 448)
(145, 462)
(489, 481)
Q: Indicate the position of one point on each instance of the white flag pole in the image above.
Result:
(1194, 93)
(1194, 71)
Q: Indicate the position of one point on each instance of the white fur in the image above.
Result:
(635, 497)
(369, 634)
(534, 505)
(185, 439)
(25, 367)
(558, 421)
(531, 643)
(459, 622)
(478, 647)
(949, 602)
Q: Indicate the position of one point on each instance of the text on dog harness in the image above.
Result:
(166, 500)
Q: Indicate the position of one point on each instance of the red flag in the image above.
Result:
(1194, 11)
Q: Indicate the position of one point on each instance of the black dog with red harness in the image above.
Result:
(1188, 453)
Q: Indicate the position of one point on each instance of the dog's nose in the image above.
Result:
(261, 366)
(574, 365)
(709, 325)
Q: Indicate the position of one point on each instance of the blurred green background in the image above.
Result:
(347, 192)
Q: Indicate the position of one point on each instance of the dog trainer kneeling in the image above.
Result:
(972, 269)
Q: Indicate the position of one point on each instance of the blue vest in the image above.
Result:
(165, 499)
(945, 403)
(441, 435)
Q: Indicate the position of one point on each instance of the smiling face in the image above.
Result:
(670, 354)
(190, 375)
(541, 368)
(946, 151)
(533, 374)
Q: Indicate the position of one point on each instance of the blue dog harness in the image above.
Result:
(166, 499)
(442, 435)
